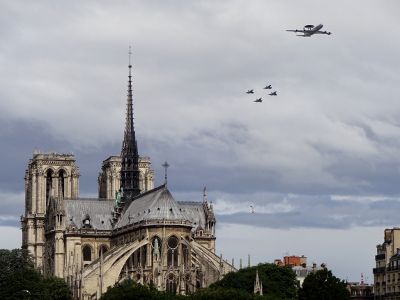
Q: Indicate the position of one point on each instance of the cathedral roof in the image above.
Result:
(156, 204)
(99, 212)
(194, 211)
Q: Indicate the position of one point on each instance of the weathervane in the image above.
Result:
(165, 165)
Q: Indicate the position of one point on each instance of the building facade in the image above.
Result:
(132, 230)
(387, 270)
(299, 266)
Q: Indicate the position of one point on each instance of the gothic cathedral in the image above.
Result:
(132, 230)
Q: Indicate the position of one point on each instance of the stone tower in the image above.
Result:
(49, 174)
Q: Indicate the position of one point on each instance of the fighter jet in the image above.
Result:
(268, 87)
(258, 100)
(250, 92)
(273, 94)
(310, 30)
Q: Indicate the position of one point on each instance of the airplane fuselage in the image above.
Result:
(310, 30)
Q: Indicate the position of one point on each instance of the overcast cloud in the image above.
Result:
(322, 159)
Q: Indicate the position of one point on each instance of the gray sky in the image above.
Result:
(320, 162)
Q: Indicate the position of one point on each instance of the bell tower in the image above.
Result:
(49, 174)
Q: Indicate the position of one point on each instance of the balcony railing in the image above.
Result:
(378, 270)
(380, 256)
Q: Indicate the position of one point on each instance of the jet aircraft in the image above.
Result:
(250, 92)
(273, 94)
(310, 30)
(258, 100)
(268, 87)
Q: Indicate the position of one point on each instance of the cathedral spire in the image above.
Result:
(129, 153)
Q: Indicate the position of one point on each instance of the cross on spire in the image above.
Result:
(165, 165)
(130, 52)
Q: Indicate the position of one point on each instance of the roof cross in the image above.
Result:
(165, 165)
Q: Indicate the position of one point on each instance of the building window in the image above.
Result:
(87, 253)
(172, 253)
(103, 249)
(49, 184)
(171, 283)
(61, 179)
(185, 252)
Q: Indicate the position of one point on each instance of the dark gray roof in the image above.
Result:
(156, 204)
(195, 212)
(99, 212)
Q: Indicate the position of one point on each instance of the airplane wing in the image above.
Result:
(296, 30)
(323, 32)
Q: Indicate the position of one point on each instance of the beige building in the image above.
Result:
(387, 271)
(132, 230)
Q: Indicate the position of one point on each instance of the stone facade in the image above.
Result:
(387, 271)
(110, 179)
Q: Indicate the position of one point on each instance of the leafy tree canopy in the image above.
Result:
(11, 260)
(130, 290)
(224, 294)
(278, 282)
(322, 285)
(19, 279)
(30, 284)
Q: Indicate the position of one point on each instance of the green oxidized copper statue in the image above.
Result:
(118, 196)
(156, 250)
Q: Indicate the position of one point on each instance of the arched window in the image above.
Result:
(61, 179)
(185, 252)
(172, 253)
(144, 256)
(171, 283)
(87, 253)
(49, 184)
(187, 284)
(103, 249)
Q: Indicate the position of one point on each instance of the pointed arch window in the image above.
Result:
(172, 253)
(103, 249)
(87, 253)
(185, 252)
(61, 178)
(49, 184)
(171, 283)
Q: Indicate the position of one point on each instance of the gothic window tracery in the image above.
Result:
(171, 283)
(172, 253)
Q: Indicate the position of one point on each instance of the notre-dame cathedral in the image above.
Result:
(132, 230)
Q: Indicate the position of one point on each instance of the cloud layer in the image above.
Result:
(323, 154)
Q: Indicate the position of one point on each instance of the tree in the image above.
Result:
(223, 294)
(30, 284)
(322, 285)
(11, 260)
(20, 280)
(55, 288)
(130, 290)
(278, 282)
